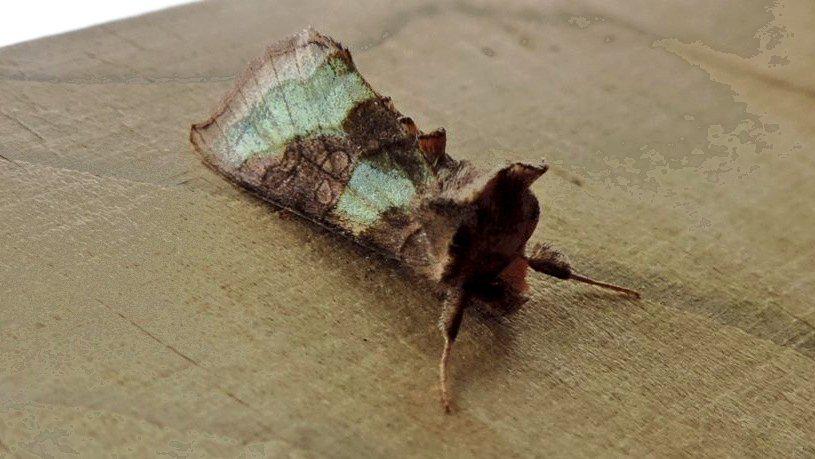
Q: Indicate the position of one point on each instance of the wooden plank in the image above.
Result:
(148, 307)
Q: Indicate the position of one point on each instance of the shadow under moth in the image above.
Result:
(303, 130)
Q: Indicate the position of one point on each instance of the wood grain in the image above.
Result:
(148, 307)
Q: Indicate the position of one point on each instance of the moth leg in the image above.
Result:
(451, 315)
(549, 261)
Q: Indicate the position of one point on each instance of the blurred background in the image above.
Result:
(39, 18)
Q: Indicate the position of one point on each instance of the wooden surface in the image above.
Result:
(148, 307)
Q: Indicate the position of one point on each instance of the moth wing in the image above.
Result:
(302, 87)
(304, 130)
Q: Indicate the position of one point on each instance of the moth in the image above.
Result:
(303, 130)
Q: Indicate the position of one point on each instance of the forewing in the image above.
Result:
(303, 129)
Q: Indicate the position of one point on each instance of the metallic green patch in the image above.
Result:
(297, 108)
(370, 192)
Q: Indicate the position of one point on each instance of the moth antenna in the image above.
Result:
(549, 261)
(451, 315)
(616, 288)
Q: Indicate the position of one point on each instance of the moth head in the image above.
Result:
(481, 221)
(523, 175)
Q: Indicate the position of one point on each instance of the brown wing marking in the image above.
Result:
(433, 145)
